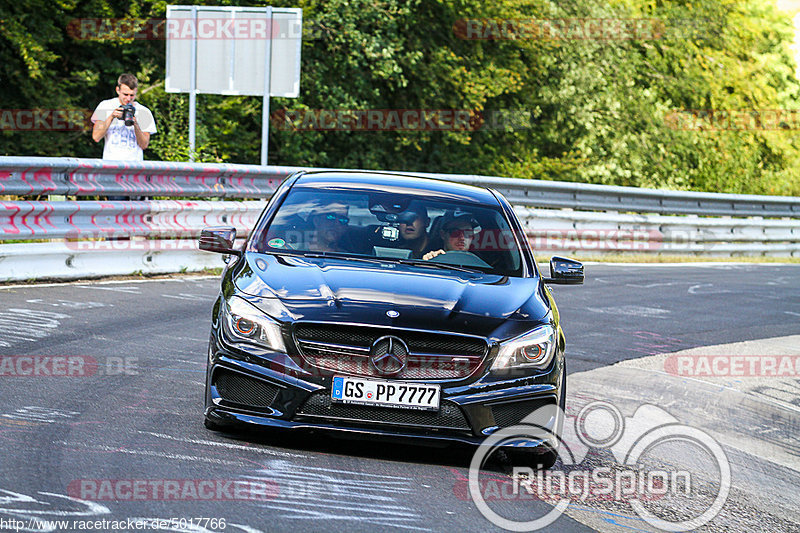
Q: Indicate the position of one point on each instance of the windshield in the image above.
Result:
(410, 229)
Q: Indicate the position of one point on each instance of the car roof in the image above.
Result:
(396, 183)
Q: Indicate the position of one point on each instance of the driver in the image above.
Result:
(413, 235)
(457, 232)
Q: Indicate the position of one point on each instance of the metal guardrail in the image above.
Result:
(559, 217)
(36, 176)
(90, 259)
(91, 177)
(569, 231)
(99, 219)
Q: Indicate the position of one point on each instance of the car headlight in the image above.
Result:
(534, 349)
(246, 323)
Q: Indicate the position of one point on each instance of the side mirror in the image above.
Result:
(564, 271)
(219, 239)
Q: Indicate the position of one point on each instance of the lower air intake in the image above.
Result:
(512, 413)
(320, 405)
(238, 388)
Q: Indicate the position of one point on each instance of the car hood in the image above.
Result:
(351, 291)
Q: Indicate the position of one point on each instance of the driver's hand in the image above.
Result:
(431, 255)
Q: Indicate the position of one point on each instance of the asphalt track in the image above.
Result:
(135, 416)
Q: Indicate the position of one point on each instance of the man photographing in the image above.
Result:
(123, 122)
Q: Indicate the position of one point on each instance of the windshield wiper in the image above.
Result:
(370, 259)
(446, 266)
(340, 255)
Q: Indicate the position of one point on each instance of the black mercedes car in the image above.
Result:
(385, 304)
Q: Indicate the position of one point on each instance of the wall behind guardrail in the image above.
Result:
(98, 237)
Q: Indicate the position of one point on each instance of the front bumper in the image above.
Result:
(247, 391)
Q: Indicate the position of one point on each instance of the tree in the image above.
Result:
(640, 101)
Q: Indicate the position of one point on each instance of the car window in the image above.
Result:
(392, 228)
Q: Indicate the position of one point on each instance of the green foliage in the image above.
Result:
(606, 111)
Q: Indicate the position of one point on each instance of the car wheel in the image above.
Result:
(213, 426)
(544, 456)
(536, 458)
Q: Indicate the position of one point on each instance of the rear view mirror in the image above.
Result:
(219, 239)
(565, 271)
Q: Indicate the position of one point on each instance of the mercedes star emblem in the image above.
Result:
(388, 355)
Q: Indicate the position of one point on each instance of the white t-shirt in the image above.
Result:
(120, 140)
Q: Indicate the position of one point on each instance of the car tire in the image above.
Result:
(213, 426)
(533, 458)
(544, 456)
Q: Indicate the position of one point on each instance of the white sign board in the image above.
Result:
(232, 43)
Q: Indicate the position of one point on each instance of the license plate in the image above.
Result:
(385, 393)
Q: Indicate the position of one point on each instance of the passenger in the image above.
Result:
(457, 233)
(413, 235)
(329, 225)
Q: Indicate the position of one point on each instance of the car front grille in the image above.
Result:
(244, 390)
(346, 348)
(319, 405)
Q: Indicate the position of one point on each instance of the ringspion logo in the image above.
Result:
(638, 476)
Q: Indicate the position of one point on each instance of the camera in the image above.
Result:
(127, 114)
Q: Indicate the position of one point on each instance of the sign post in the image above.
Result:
(193, 90)
(267, 89)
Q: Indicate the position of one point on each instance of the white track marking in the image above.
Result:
(320, 493)
(27, 325)
(149, 453)
(224, 445)
(128, 290)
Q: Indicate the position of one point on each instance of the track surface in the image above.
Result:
(138, 417)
